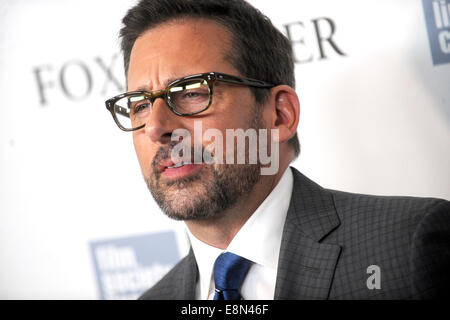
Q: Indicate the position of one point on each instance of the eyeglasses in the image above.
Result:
(186, 96)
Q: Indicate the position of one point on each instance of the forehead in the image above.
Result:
(177, 49)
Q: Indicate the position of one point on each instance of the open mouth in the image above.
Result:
(179, 164)
(181, 169)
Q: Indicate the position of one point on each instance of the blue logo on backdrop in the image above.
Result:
(437, 17)
(126, 267)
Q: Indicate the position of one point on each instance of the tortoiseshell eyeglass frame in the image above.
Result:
(210, 78)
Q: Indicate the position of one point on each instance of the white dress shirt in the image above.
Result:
(258, 240)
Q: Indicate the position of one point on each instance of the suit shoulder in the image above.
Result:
(408, 238)
(400, 208)
(167, 287)
(434, 226)
(430, 259)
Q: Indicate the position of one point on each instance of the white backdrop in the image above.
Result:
(375, 118)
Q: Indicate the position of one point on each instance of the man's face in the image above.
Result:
(169, 52)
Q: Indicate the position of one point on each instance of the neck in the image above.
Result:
(219, 232)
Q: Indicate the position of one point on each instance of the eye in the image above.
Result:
(189, 96)
(193, 94)
(141, 107)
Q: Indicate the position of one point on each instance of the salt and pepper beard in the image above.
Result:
(208, 193)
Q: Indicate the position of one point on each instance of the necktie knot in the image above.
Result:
(229, 272)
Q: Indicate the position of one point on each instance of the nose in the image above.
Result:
(161, 122)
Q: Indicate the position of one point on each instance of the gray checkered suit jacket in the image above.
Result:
(330, 238)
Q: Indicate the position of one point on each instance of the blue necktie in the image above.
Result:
(229, 272)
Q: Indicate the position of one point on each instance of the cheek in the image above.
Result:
(143, 153)
(234, 120)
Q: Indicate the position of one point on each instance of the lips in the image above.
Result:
(163, 165)
(175, 170)
(170, 164)
(179, 164)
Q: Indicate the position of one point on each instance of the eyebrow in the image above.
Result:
(165, 83)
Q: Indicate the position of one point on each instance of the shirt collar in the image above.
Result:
(258, 240)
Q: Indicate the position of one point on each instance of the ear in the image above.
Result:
(285, 111)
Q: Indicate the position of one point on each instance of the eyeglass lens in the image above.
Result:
(185, 97)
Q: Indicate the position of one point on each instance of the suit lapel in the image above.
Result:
(306, 265)
(188, 279)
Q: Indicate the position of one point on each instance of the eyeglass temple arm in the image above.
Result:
(243, 81)
(122, 111)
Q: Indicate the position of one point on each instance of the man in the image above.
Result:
(257, 236)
